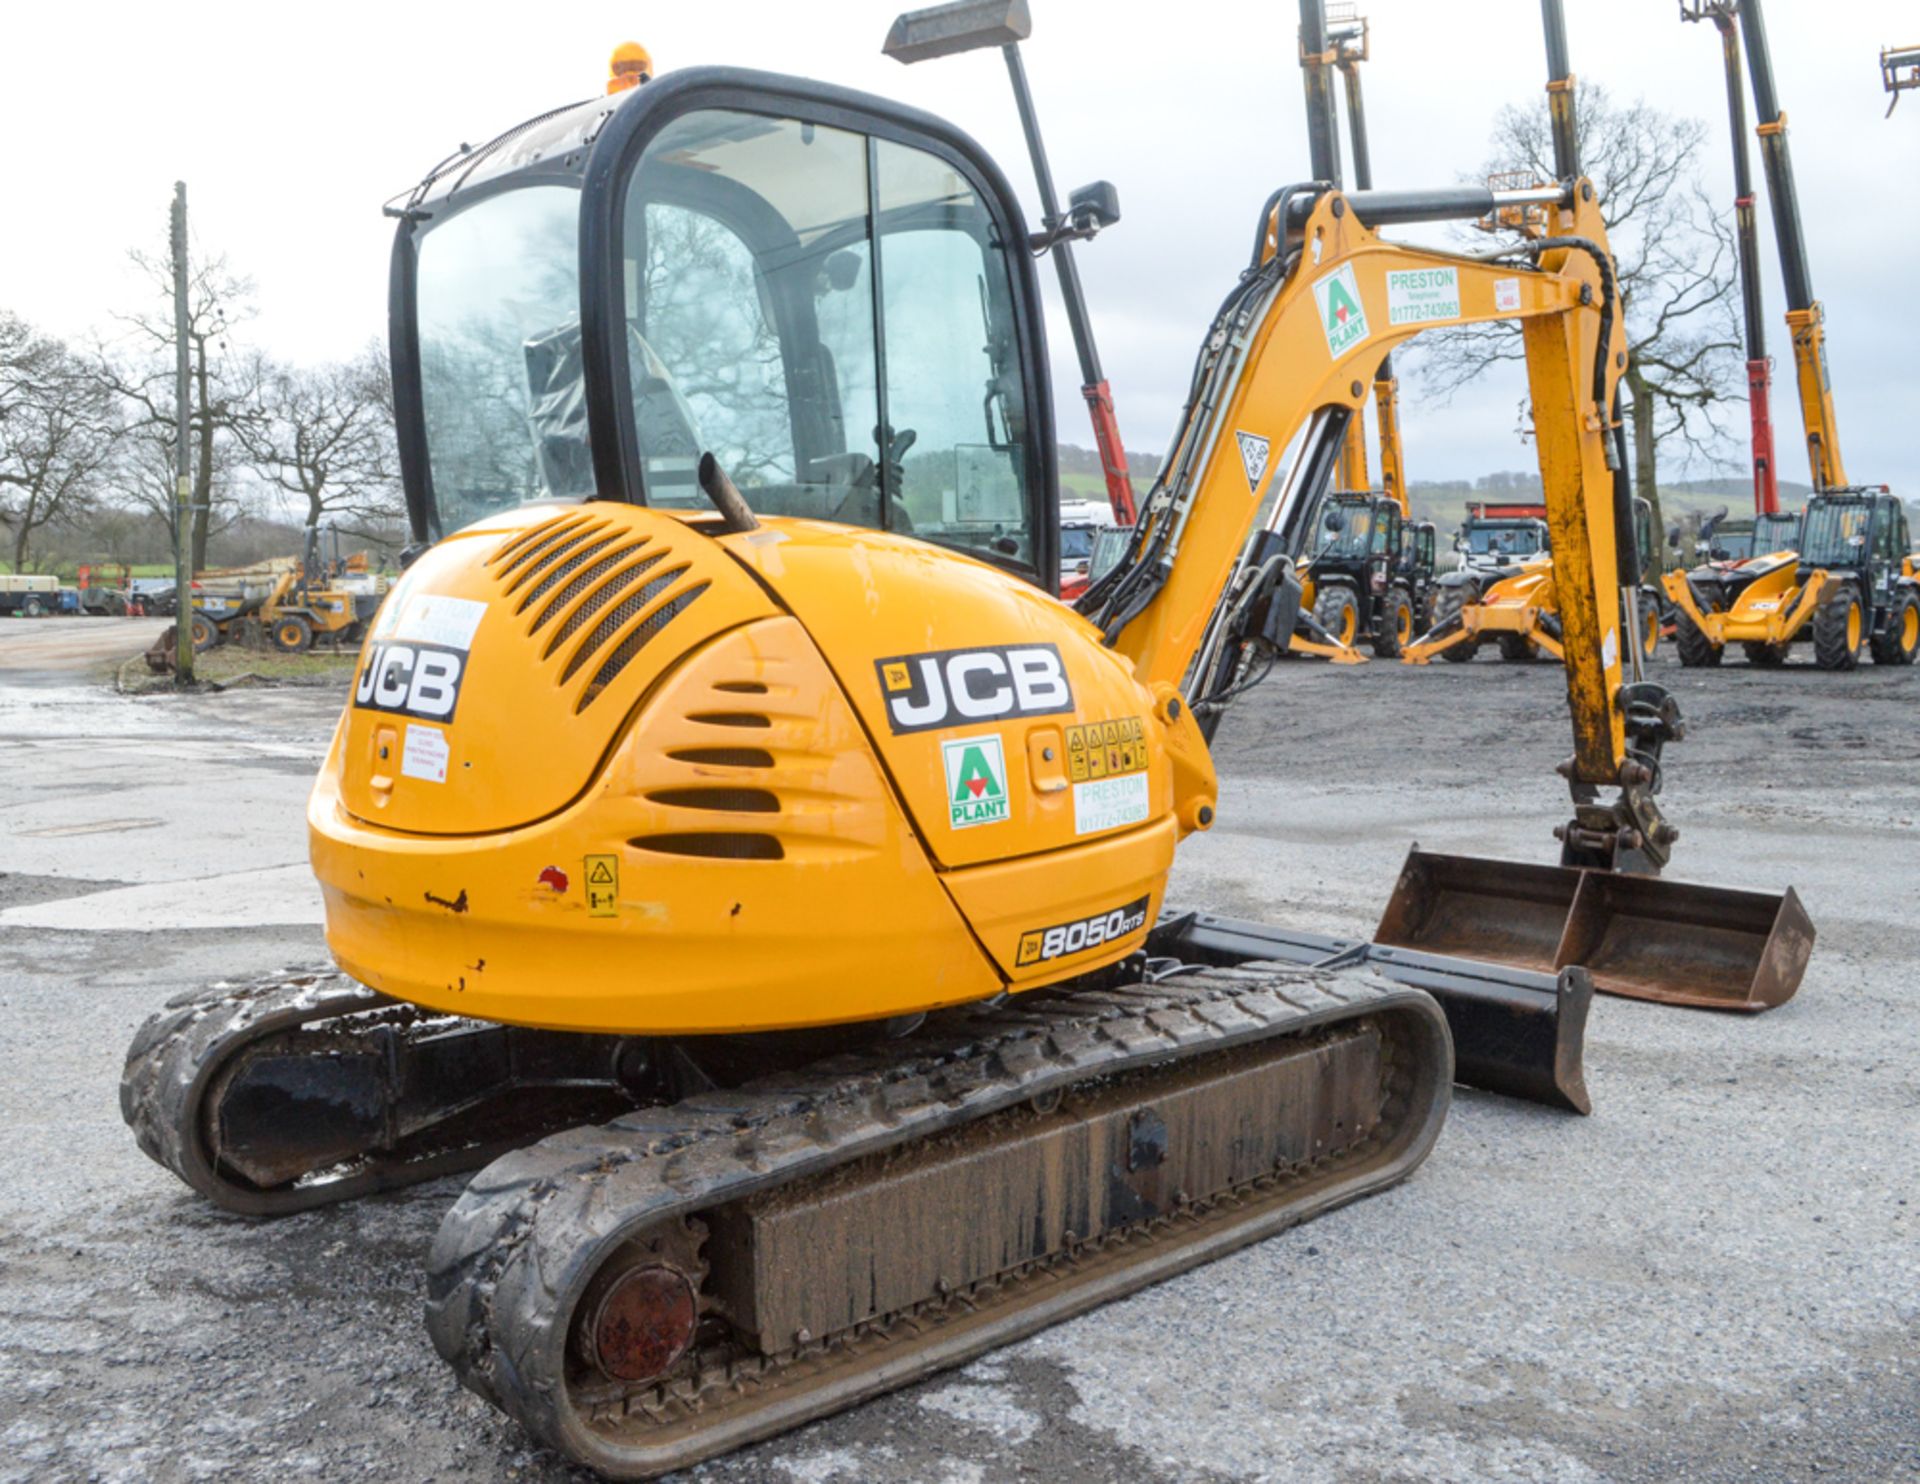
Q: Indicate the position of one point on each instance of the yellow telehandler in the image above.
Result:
(1847, 583)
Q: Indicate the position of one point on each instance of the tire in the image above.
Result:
(1395, 621)
(1338, 612)
(291, 634)
(1697, 651)
(1899, 641)
(1649, 607)
(1838, 629)
(1765, 656)
(32, 609)
(206, 634)
(1516, 649)
(1447, 603)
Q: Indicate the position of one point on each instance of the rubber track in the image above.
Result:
(515, 1254)
(176, 1057)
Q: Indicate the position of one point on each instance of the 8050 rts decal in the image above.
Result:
(1041, 944)
(952, 687)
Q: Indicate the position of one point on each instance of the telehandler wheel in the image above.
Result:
(1838, 629)
(1516, 649)
(1696, 649)
(1338, 613)
(1649, 632)
(1446, 604)
(1900, 641)
(1765, 656)
(292, 634)
(206, 633)
(1396, 625)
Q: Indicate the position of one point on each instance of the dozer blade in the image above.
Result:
(1711, 947)
(1516, 1031)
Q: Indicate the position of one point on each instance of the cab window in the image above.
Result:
(831, 316)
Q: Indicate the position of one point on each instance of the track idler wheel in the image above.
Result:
(642, 1310)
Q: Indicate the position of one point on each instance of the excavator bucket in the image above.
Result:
(1711, 947)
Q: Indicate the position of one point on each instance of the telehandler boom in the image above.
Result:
(1847, 585)
(725, 797)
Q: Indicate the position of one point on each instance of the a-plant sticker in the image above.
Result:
(1341, 313)
(1421, 296)
(1253, 457)
(976, 782)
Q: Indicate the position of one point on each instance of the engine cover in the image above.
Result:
(602, 770)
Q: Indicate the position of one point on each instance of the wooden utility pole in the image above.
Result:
(182, 456)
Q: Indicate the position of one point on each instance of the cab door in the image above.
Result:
(1886, 543)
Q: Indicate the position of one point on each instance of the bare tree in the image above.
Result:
(323, 437)
(144, 479)
(139, 369)
(1676, 263)
(58, 429)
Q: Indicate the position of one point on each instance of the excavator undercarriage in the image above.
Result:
(696, 1272)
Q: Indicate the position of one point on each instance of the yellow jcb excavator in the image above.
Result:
(725, 803)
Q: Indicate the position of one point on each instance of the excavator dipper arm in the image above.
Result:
(1288, 365)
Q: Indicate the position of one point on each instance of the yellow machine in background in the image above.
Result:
(695, 768)
(1844, 587)
(1519, 610)
(287, 602)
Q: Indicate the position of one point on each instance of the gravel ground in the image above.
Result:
(1715, 1277)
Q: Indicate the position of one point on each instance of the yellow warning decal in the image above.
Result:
(603, 885)
(1106, 749)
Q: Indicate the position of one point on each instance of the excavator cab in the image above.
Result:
(837, 306)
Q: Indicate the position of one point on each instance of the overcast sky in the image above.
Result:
(291, 124)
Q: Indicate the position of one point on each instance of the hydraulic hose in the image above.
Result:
(1604, 262)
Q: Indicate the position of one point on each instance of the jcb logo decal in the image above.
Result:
(952, 687)
(1042, 944)
(411, 680)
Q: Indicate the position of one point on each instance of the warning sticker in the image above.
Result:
(1420, 296)
(1253, 458)
(1506, 295)
(1609, 651)
(1103, 749)
(1341, 314)
(603, 885)
(423, 754)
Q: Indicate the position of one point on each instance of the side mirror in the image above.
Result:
(1335, 522)
(1093, 208)
(1089, 209)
